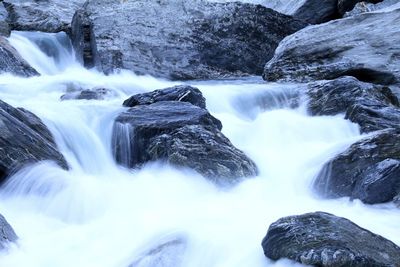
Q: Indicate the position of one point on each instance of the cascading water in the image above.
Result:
(101, 214)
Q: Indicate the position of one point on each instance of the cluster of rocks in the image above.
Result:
(351, 66)
(173, 125)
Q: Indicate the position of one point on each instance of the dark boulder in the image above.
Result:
(183, 93)
(322, 239)
(373, 107)
(12, 62)
(4, 27)
(347, 5)
(369, 170)
(44, 16)
(24, 139)
(88, 94)
(169, 253)
(310, 11)
(182, 134)
(364, 46)
(179, 39)
(7, 233)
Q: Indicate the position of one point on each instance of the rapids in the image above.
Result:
(102, 215)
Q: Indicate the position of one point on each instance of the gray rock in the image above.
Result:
(169, 253)
(42, 15)
(373, 107)
(4, 27)
(88, 94)
(183, 93)
(323, 239)
(7, 233)
(24, 139)
(364, 46)
(179, 39)
(181, 134)
(12, 62)
(369, 170)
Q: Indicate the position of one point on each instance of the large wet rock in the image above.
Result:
(7, 233)
(322, 239)
(168, 253)
(24, 139)
(4, 27)
(183, 93)
(373, 107)
(368, 170)
(364, 46)
(181, 134)
(179, 39)
(12, 62)
(44, 15)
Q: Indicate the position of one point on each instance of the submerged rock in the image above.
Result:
(12, 62)
(369, 170)
(24, 139)
(7, 233)
(364, 46)
(168, 253)
(373, 107)
(45, 16)
(179, 39)
(181, 134)
(183, 93)
(88, 94)
(322, 239)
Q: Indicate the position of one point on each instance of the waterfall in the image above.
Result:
(48, 53)
(99, 214)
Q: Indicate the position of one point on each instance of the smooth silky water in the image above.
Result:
(99, 214)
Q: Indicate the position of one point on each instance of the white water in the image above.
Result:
(98, 214)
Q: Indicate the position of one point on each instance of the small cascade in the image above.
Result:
(48, 53)
(122, 143)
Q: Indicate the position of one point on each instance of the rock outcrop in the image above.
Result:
(181, 134)
(364, 46)
(45, 16)
(12, 62)
(24, 139)
(179, 39)
(322, 239)
(373, 107)
(7, 233)
(369, 170)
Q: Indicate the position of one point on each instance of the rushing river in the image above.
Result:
(99, 214)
